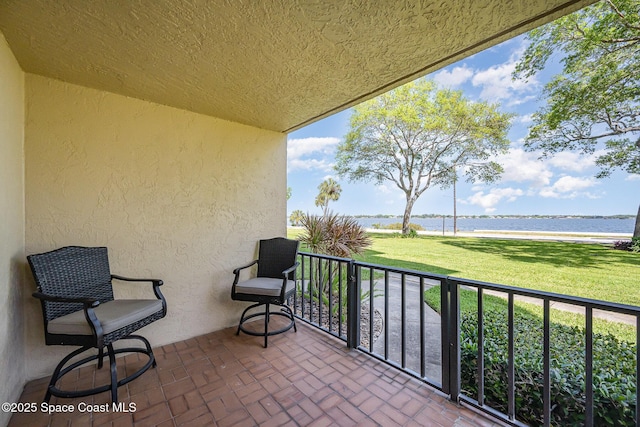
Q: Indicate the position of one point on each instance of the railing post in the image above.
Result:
(444, 334)
(353, 305)
(450, 339)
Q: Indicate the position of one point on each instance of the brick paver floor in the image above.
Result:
(306, 378)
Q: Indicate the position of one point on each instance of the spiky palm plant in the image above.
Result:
(335, 235)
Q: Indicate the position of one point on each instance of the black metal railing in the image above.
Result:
(380, 310)
(322, 292)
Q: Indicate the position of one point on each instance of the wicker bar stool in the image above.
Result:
(74, 286)
(273, 285)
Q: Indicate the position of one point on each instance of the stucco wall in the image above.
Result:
(11, 227)
(173, 194)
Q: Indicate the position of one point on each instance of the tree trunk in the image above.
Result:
(636, 230)
(407, 215)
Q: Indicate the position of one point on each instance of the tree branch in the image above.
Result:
(622, 16)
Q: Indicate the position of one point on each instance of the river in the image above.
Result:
(577, 225)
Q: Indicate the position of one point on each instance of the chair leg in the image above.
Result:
(266, 325)
(147, 344)
(100, 357)
(242, 319)
(287, 309)
(56, 373)
(61, 370)
(114, 374)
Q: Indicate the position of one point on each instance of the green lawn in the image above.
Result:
(586, 270)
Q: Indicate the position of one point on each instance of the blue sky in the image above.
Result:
(561, 185)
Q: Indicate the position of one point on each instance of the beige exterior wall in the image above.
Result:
(174, 195)
(12, 261)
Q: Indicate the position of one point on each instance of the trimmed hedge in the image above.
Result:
(614, 370)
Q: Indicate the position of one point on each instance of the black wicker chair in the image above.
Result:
(74, 287)
(274, 284)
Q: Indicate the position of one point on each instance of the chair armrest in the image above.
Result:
(89, 313)
(156, 282)
(236, 272)
(291, 269)
(88, 302)
(156, 288)
(285, 278)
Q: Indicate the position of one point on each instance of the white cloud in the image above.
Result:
(524, 119)
(572, 183)
(521, 100)
(632, 177)
(571, 161)
(454, 78)
(304, 146)
(383, 189)
(497, 85)
(309, 164)
(521, 166)
(311, 153)
(489, 200)
(570, 187)
(524, 166)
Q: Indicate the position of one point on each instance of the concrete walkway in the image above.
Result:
(600, 314)
(433, 350)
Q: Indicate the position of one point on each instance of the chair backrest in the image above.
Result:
(74, 272)
(276, 255)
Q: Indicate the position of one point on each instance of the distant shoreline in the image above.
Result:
(621, 216)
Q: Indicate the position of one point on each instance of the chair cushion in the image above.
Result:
(263, 286)
(112, 315)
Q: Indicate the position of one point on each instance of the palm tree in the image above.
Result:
(329, 190)
(296, 217)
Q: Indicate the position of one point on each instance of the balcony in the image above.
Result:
(346, 367)
(304, 378)
(165, 141)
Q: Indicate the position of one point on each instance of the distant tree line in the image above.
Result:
(501, 216)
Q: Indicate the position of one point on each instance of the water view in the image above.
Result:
(556, 224)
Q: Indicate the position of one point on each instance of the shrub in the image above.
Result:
(614, 370)
(412, 234)
(397, 226)
(622, 245)
(339, 236)
(333, 234)
(632, 245)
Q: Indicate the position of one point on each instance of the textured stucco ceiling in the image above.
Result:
(274, 64)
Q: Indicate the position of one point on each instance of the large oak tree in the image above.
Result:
(418, 136)
(593, 105)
